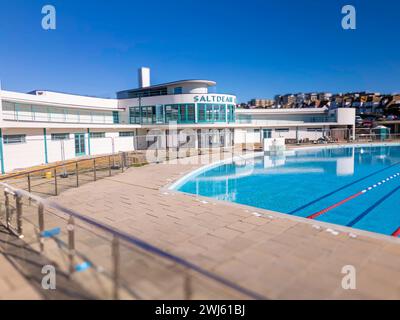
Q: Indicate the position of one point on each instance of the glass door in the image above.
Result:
(80, 147)
(267, 133)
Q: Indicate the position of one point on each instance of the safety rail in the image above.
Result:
(376, 137)
(105, 261)
(53, 179)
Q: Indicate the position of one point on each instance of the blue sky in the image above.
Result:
(253, 48)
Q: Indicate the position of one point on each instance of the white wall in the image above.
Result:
(59, 150)
(346, 116)
(253, 136)
(22, 155)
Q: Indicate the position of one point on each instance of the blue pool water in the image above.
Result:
(308, 181)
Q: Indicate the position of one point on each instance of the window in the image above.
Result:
(115, 117)
(159, 114)
(171, 113)
(186, 113)
(127, 134)
(267, 133)
(282, 130)
(59, 136)
(231, 113)
(14, 139)
(96, 135)
(182, 113)
(314, 129)
(211, 112)
(148, 115)
(178, 90)
(135, 115)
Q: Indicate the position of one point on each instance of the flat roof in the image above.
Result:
(174, 83)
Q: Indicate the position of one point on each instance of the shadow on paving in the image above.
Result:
(29, 263)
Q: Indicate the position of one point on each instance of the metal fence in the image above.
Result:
(105, 262)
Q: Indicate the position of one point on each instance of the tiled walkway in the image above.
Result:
(275, 255)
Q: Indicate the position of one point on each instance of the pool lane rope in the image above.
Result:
(356, 195)
(396, 233)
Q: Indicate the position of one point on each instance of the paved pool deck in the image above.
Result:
(14, 285)
(275, 255)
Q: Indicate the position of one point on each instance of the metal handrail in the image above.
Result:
(119, 235)
(71, 162)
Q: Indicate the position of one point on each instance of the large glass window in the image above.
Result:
(231, 113)
(159, 114)
(134, 115)
(149, 115)
(182, 113)
(211, 112)
(171, 113)
(201, 110)
(115, 117)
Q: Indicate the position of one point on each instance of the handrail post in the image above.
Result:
(41, 226)
(157, 159)
(77, 173)
(116, 267)
(18, 206)
(29, 183)
(7, 205)
(187, 286)
(94, 170)
(122, 162)
(71, 244)
(55, 182)
(109, 166)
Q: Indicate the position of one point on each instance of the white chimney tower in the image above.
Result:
(144, 77)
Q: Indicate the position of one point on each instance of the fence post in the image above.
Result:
(77, 174)
(122, 162)
(71, 244)
(94, 170)
(18, 206)
(7, 205)
(55, 182)
(41, 226)
(116, 267)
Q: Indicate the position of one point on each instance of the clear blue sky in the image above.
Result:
(251, 48)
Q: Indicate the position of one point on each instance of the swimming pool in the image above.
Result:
(355, 186)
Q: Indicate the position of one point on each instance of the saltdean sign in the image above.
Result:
(215, 99)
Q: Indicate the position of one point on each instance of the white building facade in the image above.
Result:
(43, 127)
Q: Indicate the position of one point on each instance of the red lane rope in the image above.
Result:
(396, 233)
(319, 213)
